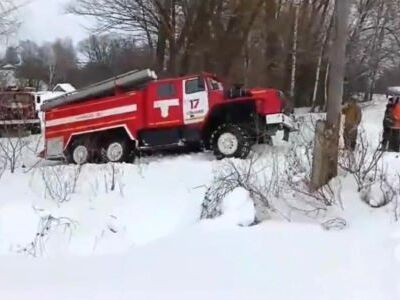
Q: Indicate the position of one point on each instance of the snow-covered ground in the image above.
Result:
(140, 236)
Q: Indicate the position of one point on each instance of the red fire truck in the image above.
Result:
(17, 112)
(114, 119)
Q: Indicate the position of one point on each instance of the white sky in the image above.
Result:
(46, 20)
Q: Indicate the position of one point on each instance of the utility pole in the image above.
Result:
(325, 158)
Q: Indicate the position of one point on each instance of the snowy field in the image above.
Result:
(134, 231)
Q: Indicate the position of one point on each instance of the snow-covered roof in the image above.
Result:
(64, 87)
(8, 67)
(394, 90)
(48, 95)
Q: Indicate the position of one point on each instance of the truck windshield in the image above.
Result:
(215, 85)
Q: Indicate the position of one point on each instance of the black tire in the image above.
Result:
(117, 150)
(79, 153)
(237, 142)
(36, 130)
(194, 147)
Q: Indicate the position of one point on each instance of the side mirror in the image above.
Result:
(38, 99)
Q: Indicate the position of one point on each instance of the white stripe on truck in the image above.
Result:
(92, 115)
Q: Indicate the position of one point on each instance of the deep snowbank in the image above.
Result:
(271, 261)
(150, 200)
(144, 240)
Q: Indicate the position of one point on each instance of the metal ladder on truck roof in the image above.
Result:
(104, 88)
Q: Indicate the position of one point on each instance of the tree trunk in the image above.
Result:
(147, 32)
(319, 65)
(376, 50)
(160, 51)
(246, 65)
(323, 106)
(52, 71)
(294, 53)
(172, 41)
(172, 57)
(325, 161)
(278, 10)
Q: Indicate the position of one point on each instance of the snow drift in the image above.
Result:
(134, 232)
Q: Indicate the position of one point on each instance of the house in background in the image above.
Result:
(64, 88)
(59, 90)
(7, 76)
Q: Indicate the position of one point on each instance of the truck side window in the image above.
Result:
(166, 90)
(194, 86)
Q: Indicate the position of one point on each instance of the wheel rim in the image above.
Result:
(80, 155)
(115, 151)
(228, 143)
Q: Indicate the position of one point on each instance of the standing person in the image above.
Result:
(387, 124)
(394, 143)
(289, 110)
(352, 113)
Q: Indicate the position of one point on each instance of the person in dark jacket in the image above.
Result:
(387, 124)
(352, 113)
(394, 143)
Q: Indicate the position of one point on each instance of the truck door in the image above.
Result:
(164, 105)
(195, 100)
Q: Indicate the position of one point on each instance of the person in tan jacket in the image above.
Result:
(352, 114)
(388, 123)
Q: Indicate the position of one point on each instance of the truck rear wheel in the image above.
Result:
(79, 154)
(117, 151)
(230, 140)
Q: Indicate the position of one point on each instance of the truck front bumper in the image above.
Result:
(281, 120)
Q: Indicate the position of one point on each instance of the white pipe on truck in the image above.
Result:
(103, 88)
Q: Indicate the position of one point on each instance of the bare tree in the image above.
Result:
(230, 38)
(11, 151)
(8, 20)
(363, 163)
(47, 226)
(113, 178)
(326, 35)
(373, 43)
(298, 166)
(263, 186)
(60, 181)
(294, 50)
(181, 34)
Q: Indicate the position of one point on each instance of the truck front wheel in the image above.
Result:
(230, 140)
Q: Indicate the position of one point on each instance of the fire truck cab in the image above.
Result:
(17, 112)
(114, 119)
